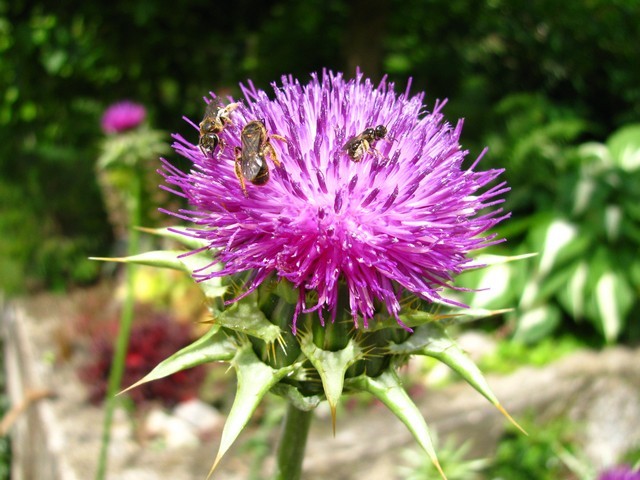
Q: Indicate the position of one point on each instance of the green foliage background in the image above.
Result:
(532, 79)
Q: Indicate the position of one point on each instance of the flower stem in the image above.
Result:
(292, 443)
(126, 319)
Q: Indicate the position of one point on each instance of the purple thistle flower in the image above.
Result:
(122, 116)
(403, 218)
(623, 472)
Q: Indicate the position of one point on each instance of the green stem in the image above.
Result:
(126, 319)
(292, 444)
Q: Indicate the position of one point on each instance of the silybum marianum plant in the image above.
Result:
(326, 226)
(125, 168)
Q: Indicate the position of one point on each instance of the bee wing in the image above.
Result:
(251, 137)
(212, 108)
(352, 143)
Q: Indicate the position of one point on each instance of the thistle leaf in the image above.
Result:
(388, 389)
(467, 315)
(181, 235)
(179, 260)
(213, 346)
(156, 258)
(255, 379)
(486, 260)
(211, 287)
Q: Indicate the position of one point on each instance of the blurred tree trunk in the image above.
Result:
(363, 38)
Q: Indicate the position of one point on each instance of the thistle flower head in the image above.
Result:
(623, 472)
(400, 217)
(335, 198)
(122, 116)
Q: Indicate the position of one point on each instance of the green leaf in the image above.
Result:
(573, 293)
(255, 379)
(493, 285)
(332, 367)
(387, 387)
(286, 291)
(432, 340)
(536, 323)
(466, 315)
(624, 146)
(157, 258)
(178, 260)
(552, 285)
(213, 346)
(593, 158)
(212, 287)
(614, 298)
(558, 234)
(179, 234)
(487, 260)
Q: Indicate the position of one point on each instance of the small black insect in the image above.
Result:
(357, 146)
(251, 165)
(216, 118)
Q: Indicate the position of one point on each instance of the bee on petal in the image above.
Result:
(357, 146)
(251, 165)
(216, 118)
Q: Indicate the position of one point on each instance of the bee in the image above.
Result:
(251, 164)
(357, 146)
(216, 118)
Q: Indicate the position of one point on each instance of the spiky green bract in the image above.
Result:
(331, 366)
(388, 389)
(213, 346)
(319, 363)
(432, 340)
(255, 379)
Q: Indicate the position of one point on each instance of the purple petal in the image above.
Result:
(405, 217)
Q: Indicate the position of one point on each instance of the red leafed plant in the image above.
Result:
(151, 341)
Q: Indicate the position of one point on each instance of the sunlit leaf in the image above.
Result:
(624, 146)
(179, 234)
(211, 287)
(573, 293)
(536, 323)
(614, 298)
(157, 258)
(492, 286)
(559, 234)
